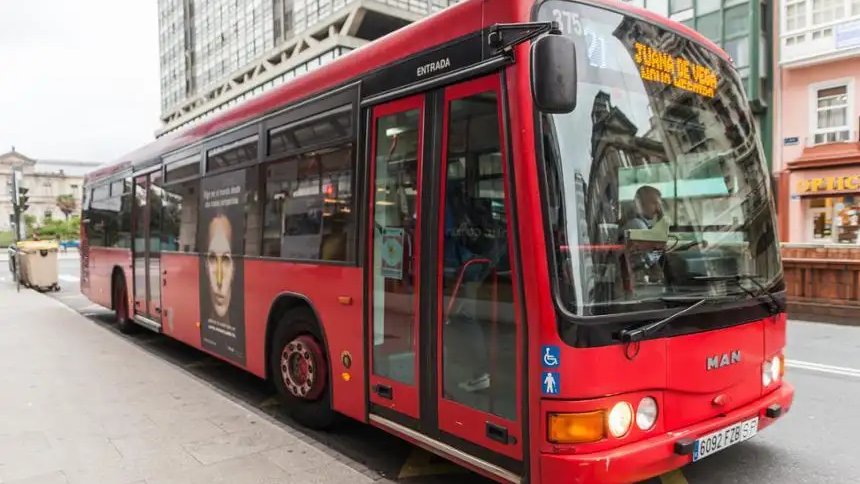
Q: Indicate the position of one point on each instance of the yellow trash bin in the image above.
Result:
(39, 268)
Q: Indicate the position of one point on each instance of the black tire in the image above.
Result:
(122, 316)
(317, 413)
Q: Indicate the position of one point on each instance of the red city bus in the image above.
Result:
(537, 239)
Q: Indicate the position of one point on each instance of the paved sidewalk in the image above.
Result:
(79, 404)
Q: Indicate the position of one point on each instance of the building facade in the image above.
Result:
(218, 53)
(819, 131)
(744, 29)
(818, 153)
(46, 179)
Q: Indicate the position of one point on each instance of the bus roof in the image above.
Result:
(459, 20)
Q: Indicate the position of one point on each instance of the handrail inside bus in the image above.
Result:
(459, 282)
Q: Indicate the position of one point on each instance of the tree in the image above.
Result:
(30, 221)
(67, 204)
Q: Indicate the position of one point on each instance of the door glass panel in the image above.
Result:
(395, 231)
(139, 245)
(156, 208)
(479, 326)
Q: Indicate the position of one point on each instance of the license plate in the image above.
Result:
(719, 440)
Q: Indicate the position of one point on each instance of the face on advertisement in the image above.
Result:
(219, 264)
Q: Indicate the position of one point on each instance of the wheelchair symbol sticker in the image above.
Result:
(550, 354)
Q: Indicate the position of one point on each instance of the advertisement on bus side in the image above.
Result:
(221, 236)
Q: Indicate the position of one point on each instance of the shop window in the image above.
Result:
(846, 220)
(834, 220)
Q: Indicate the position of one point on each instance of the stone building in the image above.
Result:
(46, 179)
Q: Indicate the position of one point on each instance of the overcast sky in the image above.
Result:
(78, 78)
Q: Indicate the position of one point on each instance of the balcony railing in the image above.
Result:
(840, 135)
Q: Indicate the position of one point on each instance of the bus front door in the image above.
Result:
(396, 163)
(445, 335)
(479, 333)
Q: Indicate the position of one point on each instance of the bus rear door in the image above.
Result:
(146, 249)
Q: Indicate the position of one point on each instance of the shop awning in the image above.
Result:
(831, 154)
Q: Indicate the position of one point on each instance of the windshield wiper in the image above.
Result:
(773, 304)
(631, 335)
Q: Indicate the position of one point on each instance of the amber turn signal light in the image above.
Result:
(576, 428)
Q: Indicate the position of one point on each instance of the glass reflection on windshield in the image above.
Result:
(656, 179)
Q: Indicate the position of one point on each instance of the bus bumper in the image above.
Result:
(655, 456)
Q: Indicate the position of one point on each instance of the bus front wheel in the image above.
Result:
(299, 370)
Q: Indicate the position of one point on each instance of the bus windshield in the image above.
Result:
(657, 188)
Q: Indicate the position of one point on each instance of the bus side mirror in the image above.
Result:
(553, 76)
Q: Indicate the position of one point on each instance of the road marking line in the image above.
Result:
(836, 370)
(674, 477)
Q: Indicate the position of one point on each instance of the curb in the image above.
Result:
(808, 317)
(821, 312)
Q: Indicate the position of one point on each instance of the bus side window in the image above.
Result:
(308, 211)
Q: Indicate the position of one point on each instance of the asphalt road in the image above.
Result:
(814, 444)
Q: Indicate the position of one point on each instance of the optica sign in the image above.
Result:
(829, 184)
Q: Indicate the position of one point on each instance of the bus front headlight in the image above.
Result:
(772, 370)
(646, 413)
(620, 419)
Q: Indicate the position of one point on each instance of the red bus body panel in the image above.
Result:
(180, 297)
(102, 262)
(322, 286)
(691, 388)
(651, 456)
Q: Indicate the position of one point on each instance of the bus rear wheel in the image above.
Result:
(299, 369)
(120, 305)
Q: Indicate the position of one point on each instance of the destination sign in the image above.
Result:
(658, 66)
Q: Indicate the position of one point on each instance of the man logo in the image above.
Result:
(726, 359)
